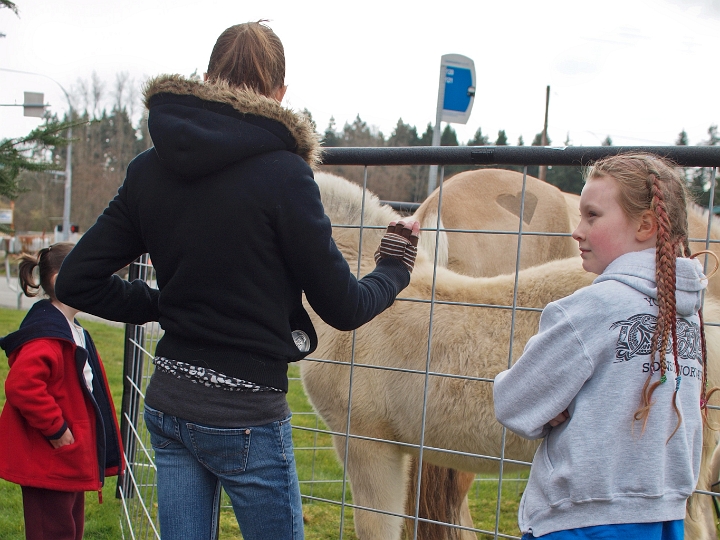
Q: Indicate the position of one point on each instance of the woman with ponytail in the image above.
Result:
(614, 381)
(58, 430)
(228, 209)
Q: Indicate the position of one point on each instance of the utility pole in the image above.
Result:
(543, 141)
(68, 183)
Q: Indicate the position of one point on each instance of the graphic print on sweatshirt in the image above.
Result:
(634, 340)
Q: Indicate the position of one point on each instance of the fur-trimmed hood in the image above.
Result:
(200, 127)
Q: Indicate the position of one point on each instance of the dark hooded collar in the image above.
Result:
(42, 321)
(246, 102)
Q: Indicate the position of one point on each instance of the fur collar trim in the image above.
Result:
(245, 101)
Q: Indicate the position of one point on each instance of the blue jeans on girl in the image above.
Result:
(664, 530)
(254, 465)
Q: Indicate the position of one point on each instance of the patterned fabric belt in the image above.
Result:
(207, 377)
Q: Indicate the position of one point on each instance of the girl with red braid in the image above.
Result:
(614, 381)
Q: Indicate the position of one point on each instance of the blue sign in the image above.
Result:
(456, 92)
(457, 82)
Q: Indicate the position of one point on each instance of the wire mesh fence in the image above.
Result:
(356, 476)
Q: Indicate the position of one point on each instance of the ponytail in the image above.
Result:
(249, 55)
(48, 260)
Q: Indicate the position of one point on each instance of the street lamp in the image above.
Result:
(68, 161)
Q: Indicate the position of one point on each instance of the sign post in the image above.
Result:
(456, 94)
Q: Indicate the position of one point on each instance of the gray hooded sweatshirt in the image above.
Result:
(591, 357)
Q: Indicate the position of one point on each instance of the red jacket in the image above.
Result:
(46, 394)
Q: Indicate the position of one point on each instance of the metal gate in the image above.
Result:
(323, 479)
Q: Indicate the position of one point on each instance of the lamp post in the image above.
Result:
(68, 161)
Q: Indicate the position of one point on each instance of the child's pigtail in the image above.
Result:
(48, 260)
(26, 276)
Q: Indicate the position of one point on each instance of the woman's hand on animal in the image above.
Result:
(400, 242)
(67, 438)
(559, 419)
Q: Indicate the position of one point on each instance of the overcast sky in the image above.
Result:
(637, 70)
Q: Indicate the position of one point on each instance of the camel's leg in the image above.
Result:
(466, 519)
(700, 521)
(378, 479)
(443, 497)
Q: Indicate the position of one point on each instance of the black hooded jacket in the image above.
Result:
(227, 207)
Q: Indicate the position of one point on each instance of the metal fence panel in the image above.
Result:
(322, 483)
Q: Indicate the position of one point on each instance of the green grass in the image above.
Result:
(322, 520)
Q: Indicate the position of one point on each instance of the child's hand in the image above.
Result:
(560, 418)
(67, 438)
(400, 242)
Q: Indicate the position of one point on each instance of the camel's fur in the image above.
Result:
(466, 341)
(494, 204)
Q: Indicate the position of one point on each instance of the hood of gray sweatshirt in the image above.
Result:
(637, 270)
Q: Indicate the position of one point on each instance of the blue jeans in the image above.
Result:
(662, 530)
(255, 466)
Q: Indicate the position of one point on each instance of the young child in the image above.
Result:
(59, 429)
(614, 381)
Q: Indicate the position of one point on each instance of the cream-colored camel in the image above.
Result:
(468, 347)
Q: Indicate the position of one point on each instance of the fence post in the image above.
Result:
(132, 378)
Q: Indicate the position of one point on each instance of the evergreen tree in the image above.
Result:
(479, 139)
(566, 178)
(537, 141)
(521, 141)
(713, 137)
(404, 135)
(701, 178)
(607, 141)
(449, 137)
(359, 134)
(307, 113)
(502, 139)
(682, 139)
(28, 153)
(427, 137)
(331, 137)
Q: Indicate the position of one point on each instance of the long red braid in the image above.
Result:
(666, 251)
(649, 182)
